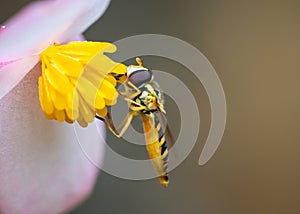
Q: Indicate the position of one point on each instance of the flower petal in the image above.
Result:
(41, 162)
(35, 28)
(45, 22)
(12, 73)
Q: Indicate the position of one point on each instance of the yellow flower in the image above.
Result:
(75, 83)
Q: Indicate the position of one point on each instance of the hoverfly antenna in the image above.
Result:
(139, 61)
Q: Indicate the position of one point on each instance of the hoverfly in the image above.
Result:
(145, 99)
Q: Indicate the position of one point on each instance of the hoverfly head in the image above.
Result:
(138, 75)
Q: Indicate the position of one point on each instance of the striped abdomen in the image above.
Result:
(156, 146)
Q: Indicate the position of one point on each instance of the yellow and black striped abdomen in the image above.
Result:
(156, 146)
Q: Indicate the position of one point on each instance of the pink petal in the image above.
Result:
(42, 23)
(12, 73)
(37, 26)
(42, 166)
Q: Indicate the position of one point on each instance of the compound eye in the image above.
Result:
(140, 77)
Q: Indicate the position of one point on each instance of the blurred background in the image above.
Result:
(254, 47)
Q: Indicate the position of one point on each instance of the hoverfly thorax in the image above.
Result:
(151, 98)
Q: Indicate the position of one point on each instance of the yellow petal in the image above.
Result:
(85, 111)
(100, 102)
(68, 65)
(72, 105)
(57, 80)
(119, 68)
(87, 91)
(45, 100)
(50, 116)
(111, 79)
(111, 102)
(60, 115)
(107, 90)
(58, 99)
(101, 112)
(67, 119)
(94, 76)
(86, 48)
(103, 64)
(82, 121)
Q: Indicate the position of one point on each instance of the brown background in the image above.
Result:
(254, 47)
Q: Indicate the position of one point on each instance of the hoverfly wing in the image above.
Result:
(165, 128)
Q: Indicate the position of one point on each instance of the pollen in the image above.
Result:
(76, 84)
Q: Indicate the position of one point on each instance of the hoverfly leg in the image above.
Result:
(107, 124)
(124, 125)
(126, 122)
(125, 98)
(111, 121)
(138, 91)
(130, 95)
